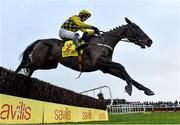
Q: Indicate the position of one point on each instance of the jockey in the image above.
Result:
(75, 23)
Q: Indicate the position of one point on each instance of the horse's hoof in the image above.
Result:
(149, 92)
(128, 89)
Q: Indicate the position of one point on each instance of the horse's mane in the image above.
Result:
(112, 30)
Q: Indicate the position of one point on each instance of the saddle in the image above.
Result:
(69, 49)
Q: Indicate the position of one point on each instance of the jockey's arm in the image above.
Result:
(83, 26)
(90, 32)
(79, 23)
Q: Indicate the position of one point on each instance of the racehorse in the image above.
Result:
(47, 53)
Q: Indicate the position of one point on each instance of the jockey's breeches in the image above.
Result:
(66, 34)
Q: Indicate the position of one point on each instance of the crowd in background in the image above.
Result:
(161, 104)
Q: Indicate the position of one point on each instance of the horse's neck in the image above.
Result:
(112, 37)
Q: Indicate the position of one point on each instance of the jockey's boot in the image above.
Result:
(83, 41)
(82, 45)
(78, 42)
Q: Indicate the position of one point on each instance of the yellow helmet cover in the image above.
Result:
(85, 12)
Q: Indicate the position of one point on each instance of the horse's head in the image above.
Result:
(136, 35)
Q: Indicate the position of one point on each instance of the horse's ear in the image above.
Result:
(127, 20)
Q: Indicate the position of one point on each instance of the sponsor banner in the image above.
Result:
(101, 115)
(20, 110)
(59, 113)
(88, 114)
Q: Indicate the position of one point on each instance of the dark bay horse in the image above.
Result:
(46, 54)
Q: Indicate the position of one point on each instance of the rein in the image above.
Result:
(125, 40)
(105, 45)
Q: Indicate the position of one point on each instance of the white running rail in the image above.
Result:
(129, 108)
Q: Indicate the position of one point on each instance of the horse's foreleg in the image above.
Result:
(118, 70)
(147, 91)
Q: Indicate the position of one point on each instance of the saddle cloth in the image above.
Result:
(69, 49)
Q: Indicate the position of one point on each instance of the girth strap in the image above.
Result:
(79, 61)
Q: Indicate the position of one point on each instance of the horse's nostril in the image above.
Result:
(149, 43)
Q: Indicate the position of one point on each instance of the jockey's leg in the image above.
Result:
(83, 41)
(76, 39)
(84, 36)
(67, 35)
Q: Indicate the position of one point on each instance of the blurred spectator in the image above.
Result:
(100, 96)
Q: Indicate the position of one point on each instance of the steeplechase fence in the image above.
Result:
(29, 100)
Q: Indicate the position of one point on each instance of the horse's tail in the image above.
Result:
(26, 56)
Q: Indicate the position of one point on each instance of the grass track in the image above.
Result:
(143, 118)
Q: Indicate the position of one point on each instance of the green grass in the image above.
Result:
(143, 118)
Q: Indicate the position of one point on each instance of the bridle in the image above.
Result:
(125, 40)
(135, 40)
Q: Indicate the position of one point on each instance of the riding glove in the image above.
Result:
(96, 30)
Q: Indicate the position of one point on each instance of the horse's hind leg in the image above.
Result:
(21, 65)
(18, 69)
(31, 72)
